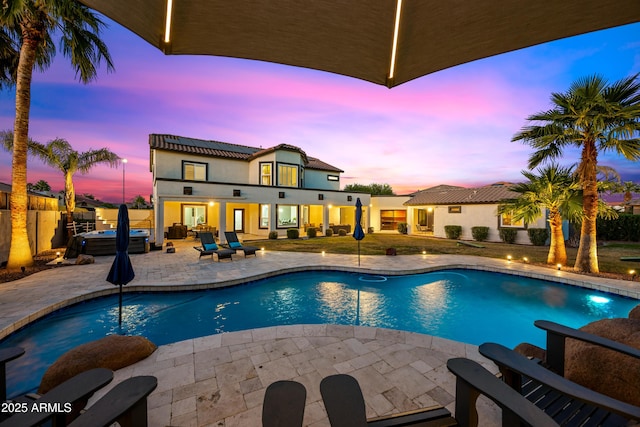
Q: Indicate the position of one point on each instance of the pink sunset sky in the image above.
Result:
(451, 127)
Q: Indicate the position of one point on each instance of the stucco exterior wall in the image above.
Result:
(318, 179)
(44, 229)
(477, 215)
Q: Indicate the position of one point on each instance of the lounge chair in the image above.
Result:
(566, 402)
(234, 244)
(283, 404)
(345, 406)
(7, 355)
(209, 247)
(126, 404)
(74, 392)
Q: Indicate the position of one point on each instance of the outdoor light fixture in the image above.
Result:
(559, 266)
(525, 260)
(394, 47)
(210, 203)
(167, 22)
(508, 258)
(322, 253)
(424, 252)
(632, 273)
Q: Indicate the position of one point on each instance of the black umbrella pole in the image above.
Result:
(120, 308)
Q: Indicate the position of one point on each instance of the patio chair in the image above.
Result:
(283, 404)
(209, 247)
(234, 244)
(568, 403)
(125, 404)
(7, 355)
(345, 405)
(557, 335)
(52, 405)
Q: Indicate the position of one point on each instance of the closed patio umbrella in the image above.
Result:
(358, 232)
(121, 271)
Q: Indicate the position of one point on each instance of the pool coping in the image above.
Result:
(391, 266)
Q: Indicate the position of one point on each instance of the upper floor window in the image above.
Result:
(287, 176)
(265, 173)
(506, 220)
(333, 178)
(192, 171)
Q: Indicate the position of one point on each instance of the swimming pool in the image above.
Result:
(463, 305)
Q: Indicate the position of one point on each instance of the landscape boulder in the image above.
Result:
(85, 259)
(111, 352)
(607, 371)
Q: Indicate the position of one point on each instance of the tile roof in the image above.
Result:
(229, 151)
(447, 195)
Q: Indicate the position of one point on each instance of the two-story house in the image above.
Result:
(246, 189)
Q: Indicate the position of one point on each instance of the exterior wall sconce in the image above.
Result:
(236, 193)
(320, 196)
(188, 191)
(281, 194)
(349, 198)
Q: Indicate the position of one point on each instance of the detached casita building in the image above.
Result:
(430, 210)
(245, 189)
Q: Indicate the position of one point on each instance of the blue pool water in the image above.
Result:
(463, 305)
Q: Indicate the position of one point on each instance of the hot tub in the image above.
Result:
(104, 242)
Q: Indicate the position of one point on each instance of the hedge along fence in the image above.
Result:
(625, 227)
(480, 234)
(453, 231)
(538, 236)
(508, 235)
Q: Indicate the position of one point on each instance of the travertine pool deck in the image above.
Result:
(220, 380)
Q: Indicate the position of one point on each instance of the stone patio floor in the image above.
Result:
(220, 380)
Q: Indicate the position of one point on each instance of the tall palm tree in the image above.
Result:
(597, 117)
(27, 28)
(554, 188)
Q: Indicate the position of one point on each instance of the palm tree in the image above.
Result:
(597, 117)
(555, 189)
(628, 188)
(59, 154)
(27, 28)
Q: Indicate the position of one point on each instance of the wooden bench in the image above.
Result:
(471, 244)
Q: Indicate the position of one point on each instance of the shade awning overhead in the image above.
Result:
(355, 37)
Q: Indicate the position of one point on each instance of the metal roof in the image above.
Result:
(462, 196)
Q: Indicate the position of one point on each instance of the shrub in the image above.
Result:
(538, 236)
(625, 227)
(508, 235)
(453, 231)
(293, 233)
(273, 235)
(480, 234)
(402, 227)
(370, 230)
(312, 232)
(342, 232)
(328, 232)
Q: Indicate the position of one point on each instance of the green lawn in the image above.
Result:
(376, 244)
